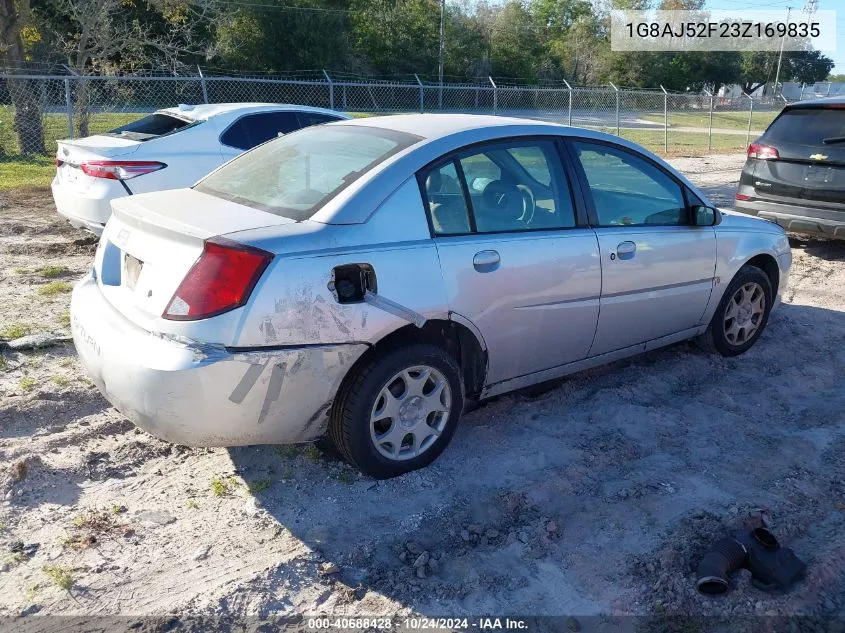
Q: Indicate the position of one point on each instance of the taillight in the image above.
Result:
(120, 169)
(763, 152)
(220, 280)
(742, 196)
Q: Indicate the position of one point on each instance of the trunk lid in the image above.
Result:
(72, 153)
(808, 169)
(151, 242)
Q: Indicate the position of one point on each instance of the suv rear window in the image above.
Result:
(295, 175)
(806, 126)
(151, 126)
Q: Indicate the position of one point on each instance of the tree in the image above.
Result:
(100, 35)
(15, 16)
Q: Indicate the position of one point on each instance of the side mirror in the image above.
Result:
(705, 216)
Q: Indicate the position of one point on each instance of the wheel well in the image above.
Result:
(455, 338)
(768, 265)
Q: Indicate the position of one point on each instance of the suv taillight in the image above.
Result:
(763, 152)
(220, 280)
(120, 169)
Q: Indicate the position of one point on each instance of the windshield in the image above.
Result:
(293, 176)
(152, 126)
(807, 126)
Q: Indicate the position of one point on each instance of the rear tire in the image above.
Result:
(742, 314)
(398, 410)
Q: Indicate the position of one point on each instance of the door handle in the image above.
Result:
(626, 250)
(486, 261)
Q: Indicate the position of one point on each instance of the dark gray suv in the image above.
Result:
(795, 172)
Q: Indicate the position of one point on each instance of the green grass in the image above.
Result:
(684, 143)
(724, 120)
(55, 128)
(15, 330)
(51, 272)
(27, 384)
(223, 486)
(60, 576)
(64, 319)
(61, 381)
(23, 172)
(26, 172)
(54, 288)
(261, 485)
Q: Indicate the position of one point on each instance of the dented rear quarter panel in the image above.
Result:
(293, 304)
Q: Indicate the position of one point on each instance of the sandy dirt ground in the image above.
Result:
(595, 497)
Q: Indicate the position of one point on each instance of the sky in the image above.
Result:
(797, 5)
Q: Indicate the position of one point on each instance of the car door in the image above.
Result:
(252, 130)
(657, 269)
(515, 261)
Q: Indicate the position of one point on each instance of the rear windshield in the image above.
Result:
(807, 126)
(151, 126)
(293, 176)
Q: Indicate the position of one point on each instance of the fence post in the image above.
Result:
(750, 116)
(829, 84)
(617, 108)
(710, 124)
(665, 120)
(422, 94)
(69, 106)
(202, 83)
(331, 89)
(569, 116)
(495, 96)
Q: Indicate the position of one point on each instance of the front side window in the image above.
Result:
(506, 187)
(295, 175)
(628, 190)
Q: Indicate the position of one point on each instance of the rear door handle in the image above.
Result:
(486, 261)
(626, 249)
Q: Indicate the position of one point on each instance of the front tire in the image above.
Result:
(398, 411)
(742, 314)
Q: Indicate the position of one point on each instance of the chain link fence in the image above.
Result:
(37, 110)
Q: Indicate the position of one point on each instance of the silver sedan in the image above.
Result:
(369, 278)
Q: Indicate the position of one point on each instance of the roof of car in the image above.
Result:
(835, 100)
(431, 126)
(204, 111)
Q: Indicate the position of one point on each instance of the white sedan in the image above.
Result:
(168, 149)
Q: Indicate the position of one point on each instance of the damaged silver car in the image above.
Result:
(368, 278)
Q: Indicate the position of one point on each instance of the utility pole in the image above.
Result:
(780, 56)
(442, 21)
(440, 65)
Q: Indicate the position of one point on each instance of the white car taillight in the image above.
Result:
(220, 280)
(120, 169)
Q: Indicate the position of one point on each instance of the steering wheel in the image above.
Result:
(507, 200)
(529, 204)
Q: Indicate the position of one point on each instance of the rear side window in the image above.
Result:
(152, 126)
(628, 190)
(806, 126)
(295, 175)
(254, 129)
(315, 118)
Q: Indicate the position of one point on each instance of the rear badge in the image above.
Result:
(818, 156)
(122, 238)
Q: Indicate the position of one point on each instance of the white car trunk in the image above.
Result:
(150, 244)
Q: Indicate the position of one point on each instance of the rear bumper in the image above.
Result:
(795, 218)
(90, 210)
(203, 395)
